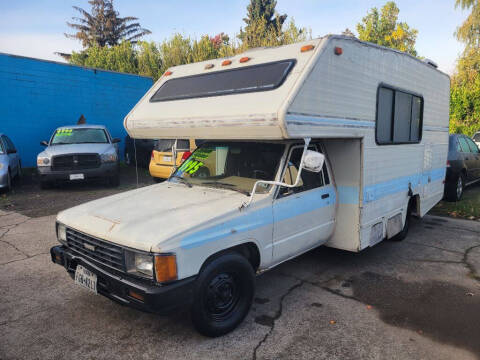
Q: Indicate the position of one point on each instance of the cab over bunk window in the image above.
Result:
(399, 116)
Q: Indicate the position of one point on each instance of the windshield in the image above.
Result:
(261, 77)
(164, 145)
(231, 165)
(79, 136)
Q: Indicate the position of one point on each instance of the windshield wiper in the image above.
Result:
(182, 180)
(227, 186)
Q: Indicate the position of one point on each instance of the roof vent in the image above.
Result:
(431, 63)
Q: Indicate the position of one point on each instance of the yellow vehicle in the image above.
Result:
(163, 154)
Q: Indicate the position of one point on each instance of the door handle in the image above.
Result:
(324, 196)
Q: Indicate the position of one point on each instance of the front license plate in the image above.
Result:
(85, 278)
(77, 177)
(167, 158)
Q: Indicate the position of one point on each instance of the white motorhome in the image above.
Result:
(330, 142)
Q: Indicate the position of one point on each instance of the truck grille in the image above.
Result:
(95, 249)
(75, 162)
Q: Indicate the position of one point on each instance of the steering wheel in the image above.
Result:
(260, 175)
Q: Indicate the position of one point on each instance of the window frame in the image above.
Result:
(396, 89)
(292, 62)
(317, 147)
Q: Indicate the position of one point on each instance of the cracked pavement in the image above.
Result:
(416, 299)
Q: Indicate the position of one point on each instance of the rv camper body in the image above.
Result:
(379, 116)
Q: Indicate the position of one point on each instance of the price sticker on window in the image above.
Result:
(64, 132)
(191, 166)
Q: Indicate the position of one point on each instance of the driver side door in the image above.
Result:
(304, 216)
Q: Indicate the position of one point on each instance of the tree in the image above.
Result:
(103, 26)
(384, 29)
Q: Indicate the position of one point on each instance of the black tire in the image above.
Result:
(19, 170)
(403, 234)
(223, 295)
(454, 190)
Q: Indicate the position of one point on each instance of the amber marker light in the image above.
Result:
(167, 73)
(307, 48)
(244, 59)
(226, 62)
(338, 50)
(135, 295)
(165, 268)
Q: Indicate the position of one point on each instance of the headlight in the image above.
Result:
(43, 161)
(108, 157)
(61, 233)
(139, 263)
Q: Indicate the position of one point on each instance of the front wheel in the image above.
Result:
(454, 190)
(223, 295)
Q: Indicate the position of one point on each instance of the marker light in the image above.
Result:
(185, 155)
(307, 48)
(338, 50)
(167, 73)
(244, 59)
(209, 66)
(226, 62)
(165, 268)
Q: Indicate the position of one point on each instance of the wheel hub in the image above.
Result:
(222, 296)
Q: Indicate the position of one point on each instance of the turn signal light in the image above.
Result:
(135, 295)
(226, 62)
(307, 48)
(165, 268)
(244, 59)
(167, 73)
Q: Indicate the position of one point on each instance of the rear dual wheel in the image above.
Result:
(223, 295)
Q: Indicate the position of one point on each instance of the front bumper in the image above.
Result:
(103, 171)
(160, 299)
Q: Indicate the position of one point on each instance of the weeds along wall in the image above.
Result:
(37, 96)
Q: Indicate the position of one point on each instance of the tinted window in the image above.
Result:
(241, 80)
(463, 145)
(183, 144)
(472, 145)
(399, 117)
(164, 145)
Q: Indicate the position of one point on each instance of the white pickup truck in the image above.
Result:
(330, 142)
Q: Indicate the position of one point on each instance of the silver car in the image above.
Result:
(10, 165)
(80, 152)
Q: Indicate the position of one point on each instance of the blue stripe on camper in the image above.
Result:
(348, 195)
(251, 220)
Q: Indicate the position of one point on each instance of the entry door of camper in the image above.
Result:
(304, 216)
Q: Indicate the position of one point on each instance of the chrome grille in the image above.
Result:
(75, 162)
(95, 249)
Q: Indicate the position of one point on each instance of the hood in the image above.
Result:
(54, 150)
(146, 218)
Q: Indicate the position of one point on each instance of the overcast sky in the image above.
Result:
(36, 27)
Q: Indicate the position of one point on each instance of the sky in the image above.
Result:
(36, 28)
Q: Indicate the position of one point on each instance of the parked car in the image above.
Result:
(161, 161)
(79, 152)
(463, 166)
(10, 163)
(476, 138)
(139, 152)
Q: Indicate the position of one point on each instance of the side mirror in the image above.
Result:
(115, 140)
(313, 161)
(43, 143)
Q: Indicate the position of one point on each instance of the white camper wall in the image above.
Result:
(339, 100)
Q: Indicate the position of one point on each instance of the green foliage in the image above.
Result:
(261, 16)
(103, 26)
(383, 28)
(150, 62)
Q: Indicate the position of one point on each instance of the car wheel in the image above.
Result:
(454, 190)
(403, 234)
(19, 170)
(223, 295)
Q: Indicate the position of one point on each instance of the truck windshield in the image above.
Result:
(261, 77)
(79, 136)
(234, 166)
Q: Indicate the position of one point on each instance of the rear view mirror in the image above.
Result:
(43, 143)
(115, 140)
(313, 161)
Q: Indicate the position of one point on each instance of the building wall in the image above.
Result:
(37, 96)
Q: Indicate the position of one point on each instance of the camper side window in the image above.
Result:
(399, 117)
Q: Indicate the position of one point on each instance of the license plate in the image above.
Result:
(77, 177)
(167, 158)
(85, 278)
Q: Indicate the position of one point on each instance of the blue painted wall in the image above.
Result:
(37, 96)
